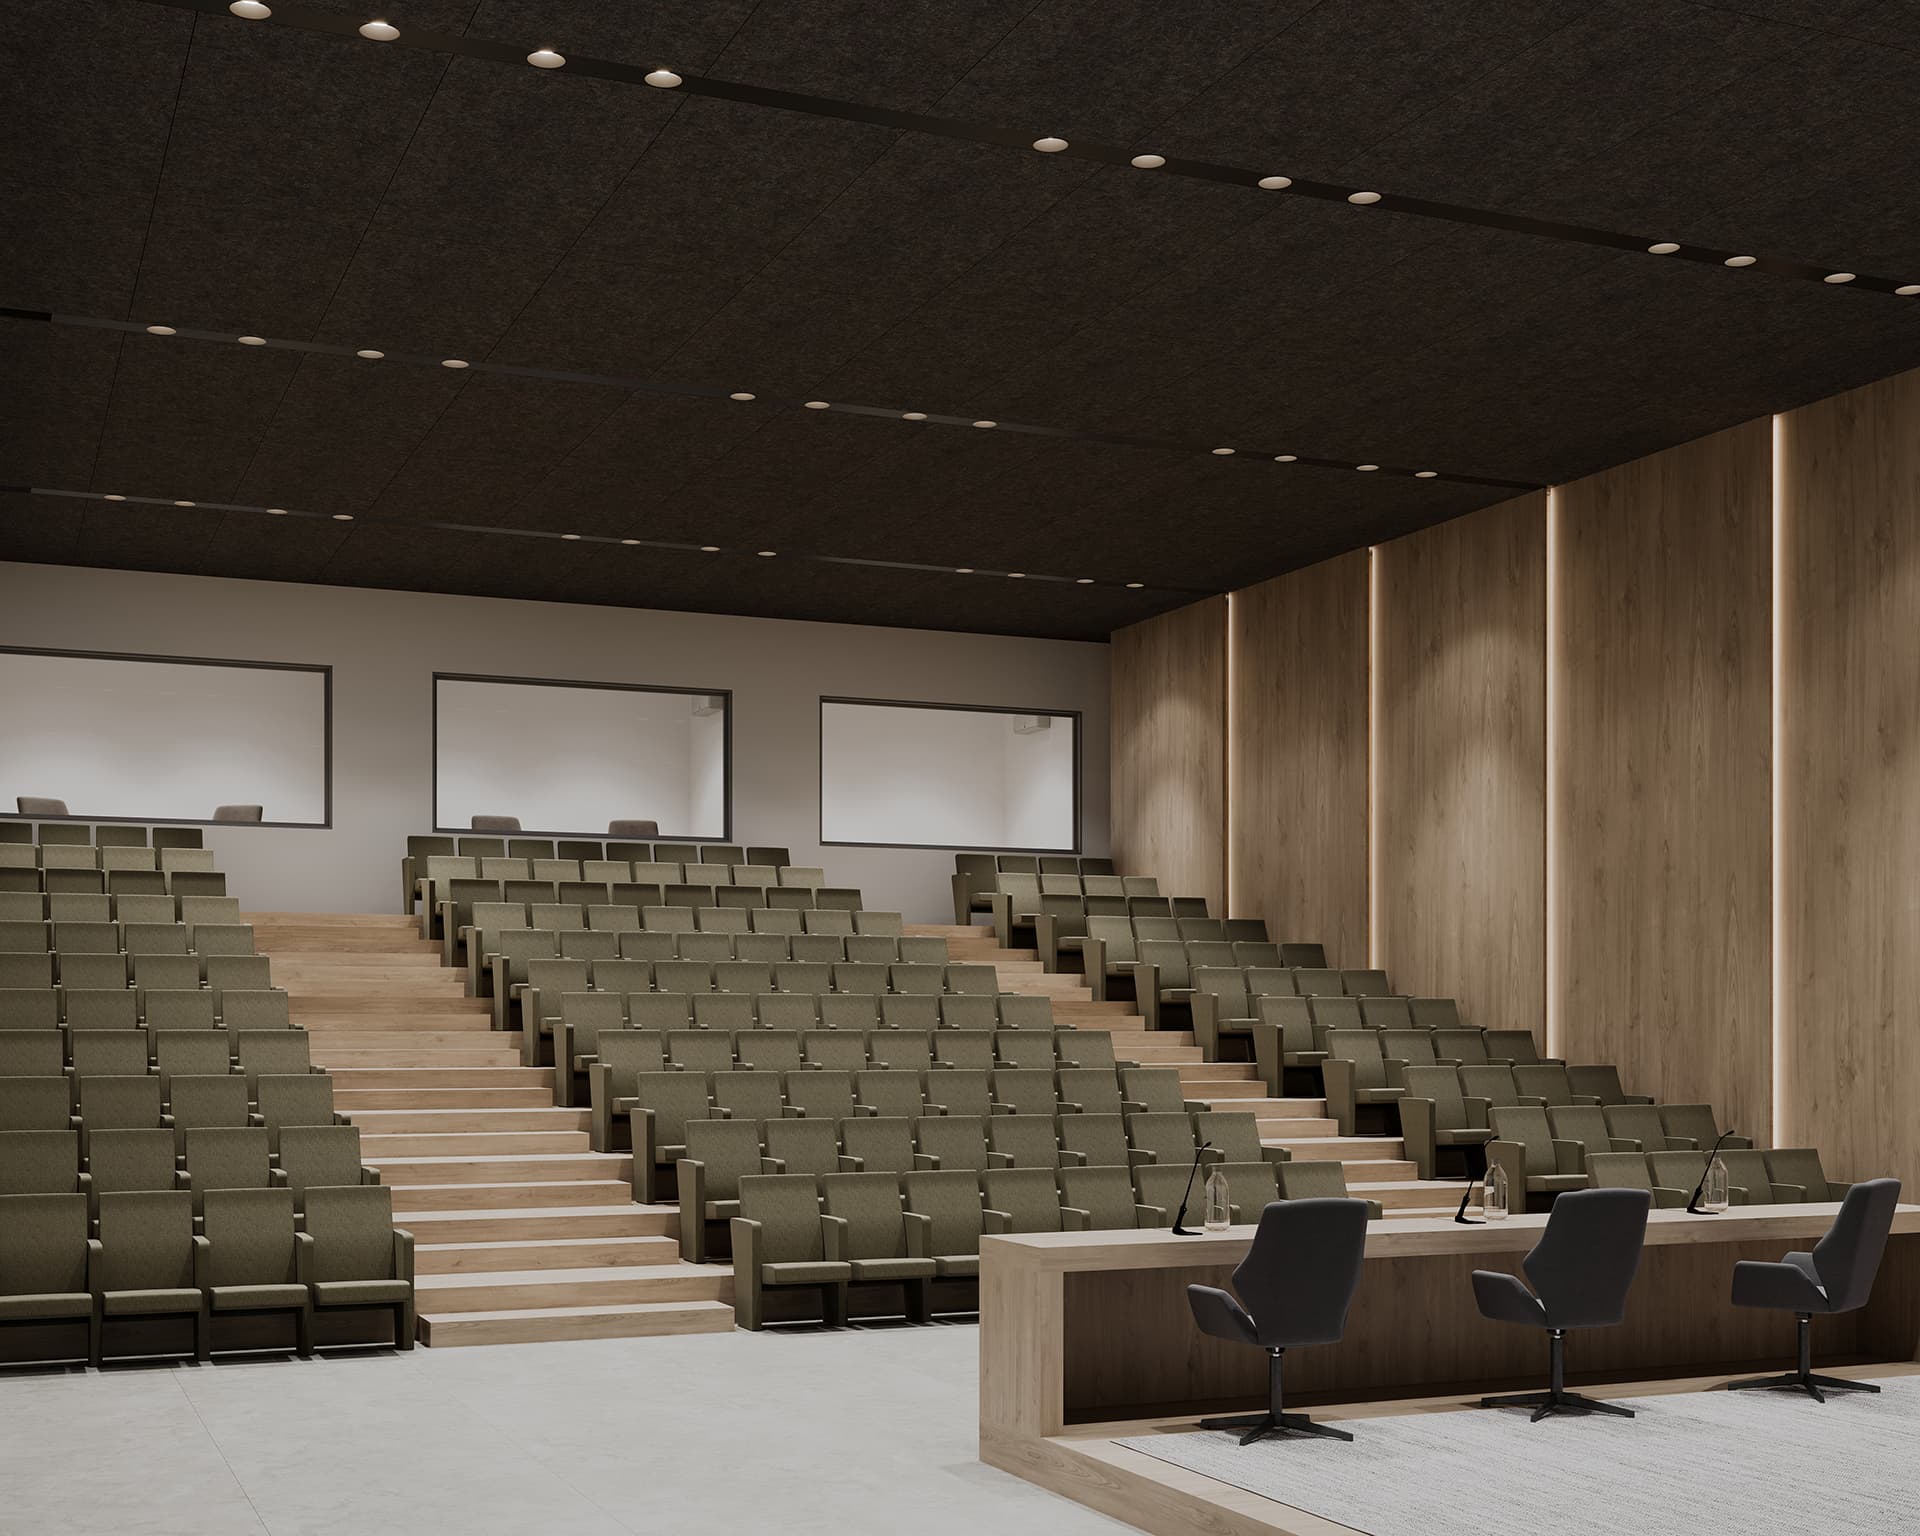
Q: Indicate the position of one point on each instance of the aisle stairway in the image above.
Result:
(1376, 1167)
(522, 1232)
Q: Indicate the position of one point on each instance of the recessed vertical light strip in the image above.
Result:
(1777, 772)
(1373, 757)
(1228, 747)
(1550, 875)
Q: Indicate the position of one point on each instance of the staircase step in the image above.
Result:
(1405, 1196)
(1351, 1149)
(547, 1252)
(413, 1119)
(541, 1223)
(335, 1058)
(362, 1102)
(438, 1077)
(492, 1146)
(412, 1194)
(536, 1325)
(597, 1167)
(1280, 1132)
(613, 1286)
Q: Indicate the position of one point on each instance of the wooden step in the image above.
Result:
(544, 1252)
(1277, 1133)
(1405, 1194)
(599, 1286)
(1221, 1089)
(388, 1037)
(531, 1168)
(417, 1121)
(360, 1102)
(541, 1223)
(361, 1056)
(1350, 1149)
(537, 1325)
(528, 1194)
(435, 1078)
(489, 1148)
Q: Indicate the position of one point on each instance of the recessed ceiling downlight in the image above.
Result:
(112, 496)
(709, 549)
(1839, 277)
(913, 415)
(766, 554)
(251, 341)
(1286, 458)
(183, 503)
(1366, 469)
(250, 10)
(161, 330)
(1083, 581)
(1363, 199)
(985, 423)
(1135, 586)
(546, 58)
(454, 362)
(276, 511)
(1740, 261)
(1221, 453)
(1274, 183)
(1908, 290)
(343, 517)
(571, 538)
(740, 394)
(379, 32)
(373, 354)
(662, 79)
(1049, 145)
(1663, 248)
(818, 405)
(1426, 474)
(1147, 162)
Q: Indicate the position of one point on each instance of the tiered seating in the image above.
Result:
(582, 850)
(149, 1071)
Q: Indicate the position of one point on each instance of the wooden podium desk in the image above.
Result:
(1086, 1328)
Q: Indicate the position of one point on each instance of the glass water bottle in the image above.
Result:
(1717, 1196)
(1494, 1194)
(1219, 1202)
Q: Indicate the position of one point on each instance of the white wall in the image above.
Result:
(1039, 785)
(107, 737)
(385, 646)
(575, 759)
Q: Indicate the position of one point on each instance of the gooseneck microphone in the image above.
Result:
(1461, 1215)
(1693, 1204)
(1180, 1216)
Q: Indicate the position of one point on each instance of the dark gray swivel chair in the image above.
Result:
(1298, 1277)
(239, 812)
(1581, 1269)
(645, 829)
(495, 824)
(1836, 1277)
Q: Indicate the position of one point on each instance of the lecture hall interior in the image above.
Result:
(1059, 766)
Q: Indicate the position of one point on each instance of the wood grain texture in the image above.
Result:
(1169, 750)
(1662, 788)
(1299, 756)
(1850, 528)
(1460, 775)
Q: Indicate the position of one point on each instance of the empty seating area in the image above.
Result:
(164, 1131)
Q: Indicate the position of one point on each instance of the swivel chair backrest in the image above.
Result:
(1584, 1264)
(1848, 1257)
(1302, 1269)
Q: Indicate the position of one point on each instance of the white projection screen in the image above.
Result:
(948, 776)
(572, 757)
(154, 738)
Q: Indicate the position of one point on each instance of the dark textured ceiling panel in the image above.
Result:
(192, 170)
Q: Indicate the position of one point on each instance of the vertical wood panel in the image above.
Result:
(1299, 756)
(1169, 750)
(1850, 830)
(1662, 779)
(1459, 822)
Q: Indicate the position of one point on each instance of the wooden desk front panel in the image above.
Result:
(1130, 1345)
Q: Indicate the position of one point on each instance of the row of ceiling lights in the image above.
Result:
(568, 538)
(381, 31)
(374, 354)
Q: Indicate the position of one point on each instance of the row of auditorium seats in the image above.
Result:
(117, 882)
(151, 1258)
(764, 925)
(180, 937)
(297, 1158)
(825, 1029)
(86, 856)
(84, 1052)
(145, 1101)
(174, 969)
(421, 848)
(100, 907)
(56, 833)
(1781, 1176)
(1543, 1149)
(660, 1103)
(976, 876)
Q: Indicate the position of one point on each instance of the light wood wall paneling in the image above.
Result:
(1662, 783)
(1850, 829)
(1299, 756)
(1460, 776)
(1169, 750)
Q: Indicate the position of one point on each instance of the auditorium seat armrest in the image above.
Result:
(919, 1234)
(1073, 1159)
(1139, 1159)
(1622, 1144)
(833, 1239)
(996, 1221)
(1479, 1113)
(1277, 1154)
(999, 1159)
(1669, 1199)
(1046, 941)
(926, 1160)
(1417, 1133)
(303, 1258)
(1073, 1219)
(1569, 1156)
(1636, 1098)
(1149, 1215)
(1588, 1099)
(779, 1164)
(1146, 991)
(1093, 964)
(850, 1164)
(96, 1270)
(1000, 905)
(1531, 1101)
(962, 900)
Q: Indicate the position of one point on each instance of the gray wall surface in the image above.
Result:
(384, 648)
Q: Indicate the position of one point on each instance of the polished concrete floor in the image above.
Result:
(864, 1431)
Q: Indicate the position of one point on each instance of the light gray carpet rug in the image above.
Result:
(1691, 1464)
